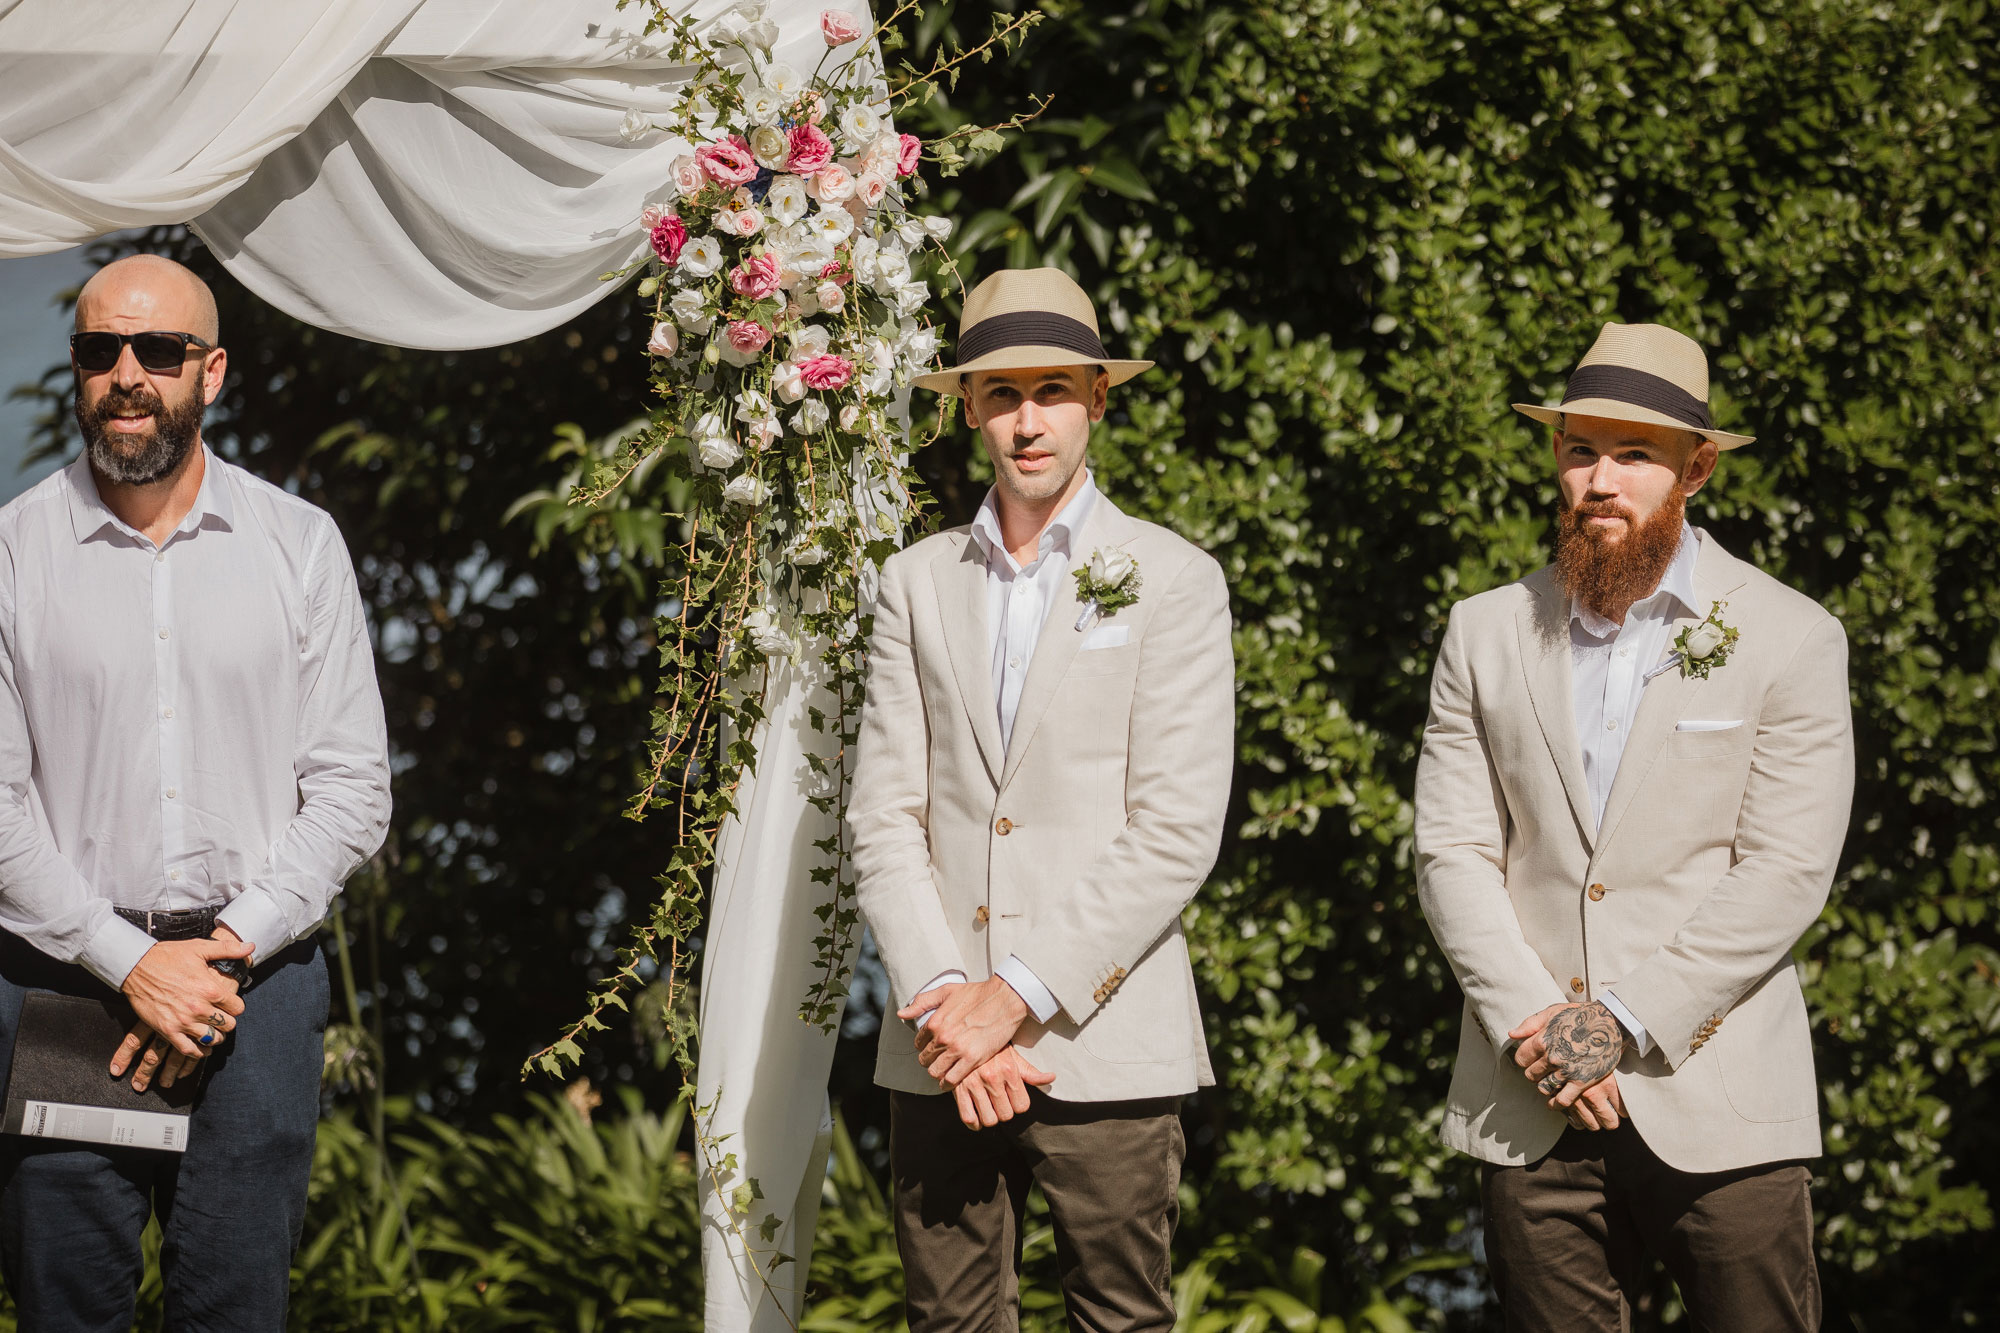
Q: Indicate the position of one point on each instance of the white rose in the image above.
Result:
(762, 35)
(666, 340)
(939, 229)
(850, 416)
(831, 299)
(1110, 568)
(710, 423)
(783, 80)
(635, 126)
(832, 226)
(809, 556)
(761, 106)
(921, 344)
(761, 628)
(769, 146)
(729, 28)
(745, 490)
(810, 341)
(787, 384)
(787, 200)
(753, 403)
(860, 124)
(717, 452)
(701, 257)
(882, 155)
(910, 231)
(1703, 639)
(811, 418)
(912, 297)
(764, 430)
(690, 310)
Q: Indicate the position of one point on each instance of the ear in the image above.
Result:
(1100, 395)
(214, 366)
(971, 412)
(1700, 466)
(1556, 445)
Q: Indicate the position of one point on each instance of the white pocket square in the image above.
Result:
(1707, 726)
(1107, 636)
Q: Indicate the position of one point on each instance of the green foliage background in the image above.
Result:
(1350, 233)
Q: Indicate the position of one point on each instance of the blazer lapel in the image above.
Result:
(961, 594)
(1667, 696)
(1543, 624)
(1059, 642)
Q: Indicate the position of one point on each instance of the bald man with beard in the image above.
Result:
(192, 761)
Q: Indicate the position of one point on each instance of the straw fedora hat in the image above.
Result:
(1024, 318)
(1641, 372)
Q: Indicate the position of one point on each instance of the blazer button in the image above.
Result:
(1597, 893)
(1004, 827)
(981, 914)
(1576, 984)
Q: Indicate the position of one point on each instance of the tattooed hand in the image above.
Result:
(1568, 1048)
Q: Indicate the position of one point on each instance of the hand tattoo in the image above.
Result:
(1584, 1043)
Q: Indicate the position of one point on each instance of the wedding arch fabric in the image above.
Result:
(451, 174)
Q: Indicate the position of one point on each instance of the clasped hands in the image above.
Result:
(1570, 1052)
(967, 1046)
(176, 996)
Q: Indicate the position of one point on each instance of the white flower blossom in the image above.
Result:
(787, 200)
(711, 423)
(1110, 568)
(717, 452)
(938, 228)
(762, 106)
(830, 297)
(875, 366)
(636, 126)
(753, 403)
(811, 418)
(850, 416)
(746, 490)
(690, 309)
(764, 430)
(910, 231)
(919, 344)
(787, 384)
(783, 80)
(832, 226)
(666, 340)
(860, 123)
(769, 146)
(761, 628)
(1703, 639)
(808, 556)
(810, 341)
(701, 257)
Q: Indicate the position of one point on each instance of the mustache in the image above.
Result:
(1601, 509)
(117, 402)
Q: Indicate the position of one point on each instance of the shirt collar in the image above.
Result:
(89, 516)
(1676, 584)
(1060, 534)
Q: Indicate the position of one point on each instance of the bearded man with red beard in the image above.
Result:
(1634, 786)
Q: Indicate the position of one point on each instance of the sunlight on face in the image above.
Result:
(1035, 425)
(1619, 473)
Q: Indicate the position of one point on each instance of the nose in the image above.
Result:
(128, 373)
(1603, 477)
(1029, 420)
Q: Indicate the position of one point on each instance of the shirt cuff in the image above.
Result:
(1041, 1001)
(256, 920)
(951, 978)
(1634, 1029)
(115, 950)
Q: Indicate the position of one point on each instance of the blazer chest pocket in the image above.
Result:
(1704, 739)
(1111, 660)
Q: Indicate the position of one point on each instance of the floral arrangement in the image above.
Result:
(1700, 649)
(786, 288)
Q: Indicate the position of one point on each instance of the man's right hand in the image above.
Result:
(998, 1089)
(1601, 1106)
(174, 992)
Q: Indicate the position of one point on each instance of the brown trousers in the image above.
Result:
(1111, 1174)
(1567, 1239)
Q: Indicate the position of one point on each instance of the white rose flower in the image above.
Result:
(910, 231)
(860, 123)
(876, 367)
(809, 556)
(717, 452)
(811, 418)
(710, 423)
(746, 490)
(850, 416)
(769, 146)
(871, 188)
(810, 341)
(787, 200)
(635, 126)
(912, 297)
(729, 28)
(833, 184)
(701, 257)
(690, 310)
(762, 35)
(1703, 639)
(890, 270)
(753, 403)
(1110, 568)
(832, 226)
(764, 430)
(920, 344)
(830, 297)
(882, 156)
(787, 384)
(761, 106)
(761, 628)
(783, 80)
(666, 340)
(939, 229)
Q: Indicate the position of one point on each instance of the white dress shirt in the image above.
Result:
(184, 725)
(1608, 666)
(1018, 598)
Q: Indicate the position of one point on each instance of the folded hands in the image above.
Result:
(967, 1046)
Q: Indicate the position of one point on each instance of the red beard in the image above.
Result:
(1606, 575)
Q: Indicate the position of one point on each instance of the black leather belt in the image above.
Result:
(187, 923)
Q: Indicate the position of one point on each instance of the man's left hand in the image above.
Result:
(970, 1023)
(1571, 1049)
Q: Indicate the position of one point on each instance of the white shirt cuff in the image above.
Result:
(1041, 1001)
(115, 950)
(256, 920)
(951, 978)
(1634, 1029)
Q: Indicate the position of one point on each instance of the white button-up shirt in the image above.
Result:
(184, 725)
(1608, 666)
(1018, 598)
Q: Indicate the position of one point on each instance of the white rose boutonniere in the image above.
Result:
(1702, 648)
(1107, 584)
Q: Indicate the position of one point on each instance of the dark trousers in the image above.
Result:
(231, 1207)
(1111, 1174)
(1567, 1239)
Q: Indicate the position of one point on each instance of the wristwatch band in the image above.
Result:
(235, 969)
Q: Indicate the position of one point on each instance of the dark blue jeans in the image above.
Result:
(231, 1207)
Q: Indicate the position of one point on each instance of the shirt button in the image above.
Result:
(1624, 652)
(163, 631)
(160, 559)
(1611, 724)
(166, 712)
(173, 792)
(173, 874)
(1014, 662)
(1020, 589)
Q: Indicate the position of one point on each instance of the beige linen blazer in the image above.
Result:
(1717, 851)
(1075, 847)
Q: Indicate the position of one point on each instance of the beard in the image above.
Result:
(1605, 574)
(139, 460)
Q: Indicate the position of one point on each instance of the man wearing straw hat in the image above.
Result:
(1634, 785)
(1044, 765)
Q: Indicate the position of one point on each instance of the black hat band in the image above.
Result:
(1641, 389)
(1029, 328)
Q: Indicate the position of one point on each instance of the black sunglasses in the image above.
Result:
(99, 351)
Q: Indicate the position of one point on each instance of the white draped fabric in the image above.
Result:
(446, 174)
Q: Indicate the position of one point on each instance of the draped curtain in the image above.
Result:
(449, 174)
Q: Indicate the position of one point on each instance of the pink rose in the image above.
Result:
(652, 215)
(728, 162)
(756, 278)
(811, 150)
(739, 222)
(668, 237)
(909, 150)
(838, 27)
(835, 273)
(689, 178)
(666, 340)
(826, 372)
(870, 188)
(833, 184)
(747, 336)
